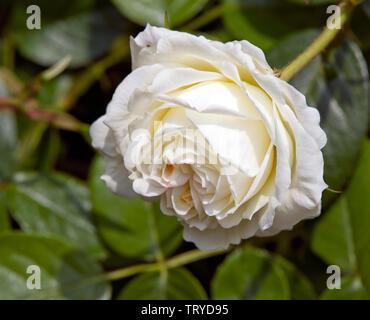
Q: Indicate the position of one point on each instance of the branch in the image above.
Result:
(176, 261)
(207, 17)
(32, 110)
(86, 78)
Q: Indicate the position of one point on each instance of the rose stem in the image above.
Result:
(176, 261)
(318, 45)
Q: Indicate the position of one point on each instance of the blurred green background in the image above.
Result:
(56, 213)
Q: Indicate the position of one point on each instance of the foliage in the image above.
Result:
(56, 212)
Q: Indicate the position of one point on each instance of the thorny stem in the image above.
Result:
(31, 109)
(85, 79)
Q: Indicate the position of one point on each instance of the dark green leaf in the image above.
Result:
(332, 238)
(250, 273)
(8, 143)
(84, 29)
(176, 284)
(342, 235)
(360, 24)
(217, 34)
(46, 155)
(41, 144)
(290, 47)
(54, 89)
(4, 217)
(341, 93)
(65, 272)
(358, 204)
(300, 287)
(3, 88)
(132, 227)
(264, 23)
(55, 205)
(351, 289)
(8, 138)
(153, 12)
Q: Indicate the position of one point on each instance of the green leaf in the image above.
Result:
(250, 273)
(358, 204)
(39, 149)
(46, 155)
(342, 235)
(54, 89)
(153, 12)
(85, 29)
(290, 47)
(4, 216)
(360, 24)
(131, 227)
(217, 34)
(3, 88)
(54, 204)
(332, 237)
(8, 143)
(8, 138)
(341, 93)
(338, 85)
(300, 287)
(265, 22)
(65, 272)
(176, 284)
(351, 289)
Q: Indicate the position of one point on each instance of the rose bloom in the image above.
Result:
(230, 150)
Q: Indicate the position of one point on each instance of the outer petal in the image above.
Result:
(303, 199)
(156, 45)
(309, 117)
(118, 117)
(219, 237)
(116, 175)
(102, 138)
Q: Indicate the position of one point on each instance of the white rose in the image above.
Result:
(224, 101)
